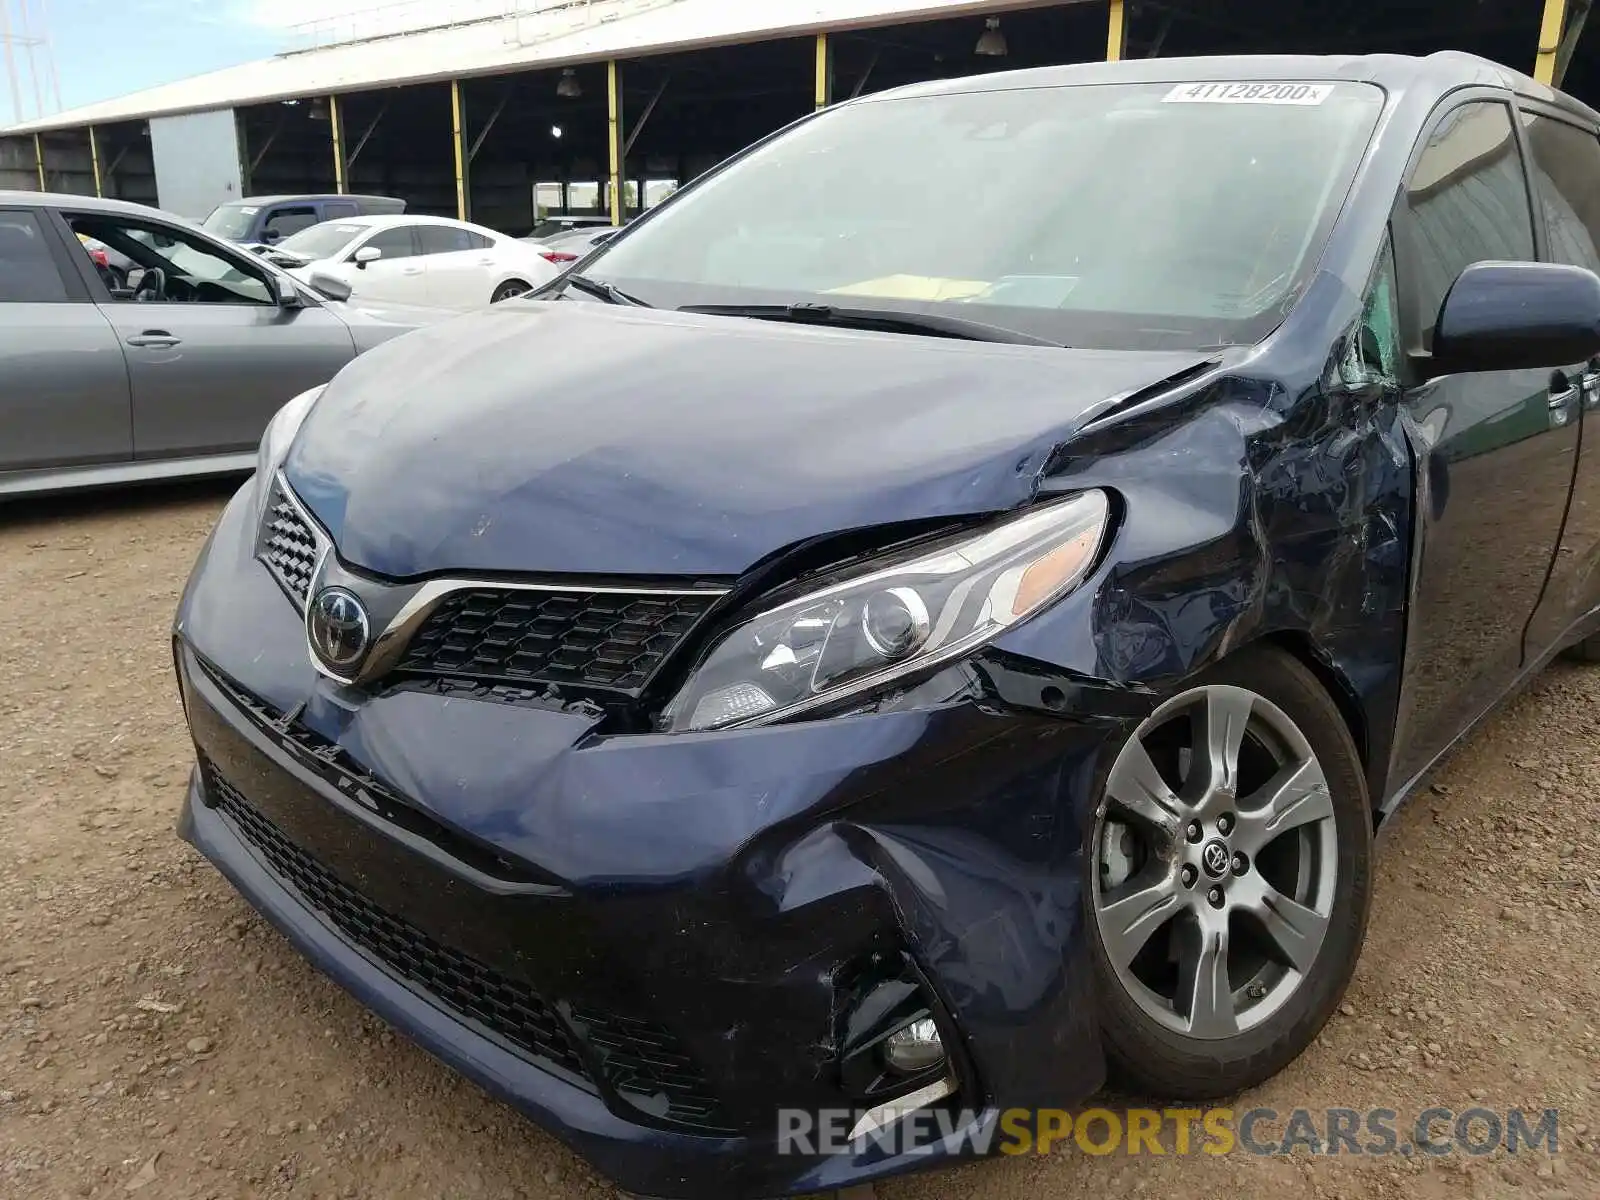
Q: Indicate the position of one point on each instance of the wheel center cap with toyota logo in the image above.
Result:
(1215, 859)
(338, 628)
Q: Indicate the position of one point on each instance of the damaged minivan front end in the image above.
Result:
(716, 727)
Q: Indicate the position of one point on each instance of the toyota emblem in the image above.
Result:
(1215, 859)
(338, 628)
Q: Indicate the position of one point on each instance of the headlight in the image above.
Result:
(866, 631)
(275, 442)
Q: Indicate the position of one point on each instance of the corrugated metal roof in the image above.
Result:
(553, 35)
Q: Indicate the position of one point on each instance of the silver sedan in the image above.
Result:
(134, 346)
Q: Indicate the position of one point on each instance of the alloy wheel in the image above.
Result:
(1216, 859)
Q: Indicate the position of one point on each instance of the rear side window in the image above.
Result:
(1565, 165)
(28, 271)
(446, 239)
(338, 210)
(1468, 202)
(285, 221)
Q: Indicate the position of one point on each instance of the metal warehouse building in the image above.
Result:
(499, 109)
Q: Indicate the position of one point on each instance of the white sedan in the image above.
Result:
(416, 260)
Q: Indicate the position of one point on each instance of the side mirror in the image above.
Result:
(1513, 316)
(284, 293)
(271, 236)
(330, 286)
(367, 254)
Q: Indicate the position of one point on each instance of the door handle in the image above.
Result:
(158, 339)
(412, 271)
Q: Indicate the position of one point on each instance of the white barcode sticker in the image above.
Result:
(1249, 93)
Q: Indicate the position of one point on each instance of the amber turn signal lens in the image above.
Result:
(1048, 575)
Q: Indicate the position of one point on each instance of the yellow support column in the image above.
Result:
(38, 160)
(614, 110)
(94, 161)
(458, 123)
(824, 73)
(341, 183)
(1117, 32)
(1550, 29)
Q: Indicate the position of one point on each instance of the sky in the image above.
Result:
(103, 49)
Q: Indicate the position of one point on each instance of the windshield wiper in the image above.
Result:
(886, 320)
(610, 293)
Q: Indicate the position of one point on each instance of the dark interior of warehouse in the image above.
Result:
(539, 139)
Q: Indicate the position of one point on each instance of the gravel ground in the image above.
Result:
(157, 1039)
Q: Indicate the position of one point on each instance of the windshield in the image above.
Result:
(328, 240)
(1116, 216)
(231, 221)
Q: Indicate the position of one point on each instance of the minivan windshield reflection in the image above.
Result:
(1146, 216)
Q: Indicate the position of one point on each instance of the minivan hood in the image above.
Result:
(574, 437)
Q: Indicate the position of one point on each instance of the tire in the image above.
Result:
(508, 290)
(1156, 1053)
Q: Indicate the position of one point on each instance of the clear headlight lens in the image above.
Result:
(275, 442)
(867, 631)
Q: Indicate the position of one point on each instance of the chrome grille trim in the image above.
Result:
(290, 543)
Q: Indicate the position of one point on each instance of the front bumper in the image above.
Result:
(650, 944)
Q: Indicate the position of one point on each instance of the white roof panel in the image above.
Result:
(554, 35)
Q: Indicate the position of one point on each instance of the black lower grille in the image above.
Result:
(613, 641)
(644, 1063)
(287, 544)
(499, 1004)
(649, 1069)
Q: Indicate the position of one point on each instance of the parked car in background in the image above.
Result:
(417, 260)
(562, 223)
(134, 346)
(267, 220)
(569, 247)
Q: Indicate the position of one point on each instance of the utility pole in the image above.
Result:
(29, 62)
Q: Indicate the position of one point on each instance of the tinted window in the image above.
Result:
(1469, 202)
(395, 243)
(444, 239)
(28, 272)
(1566, 177)
(336, 210)
(285, 221)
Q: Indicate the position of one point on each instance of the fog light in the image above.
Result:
(914, 1048)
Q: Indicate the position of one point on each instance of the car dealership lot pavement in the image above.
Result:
(158, 1039)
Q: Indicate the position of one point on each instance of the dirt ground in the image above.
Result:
(157, 1039)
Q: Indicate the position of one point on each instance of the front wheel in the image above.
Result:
(1231, 878)
(509, 290)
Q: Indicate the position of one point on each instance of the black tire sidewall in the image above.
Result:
(1147, 1056)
